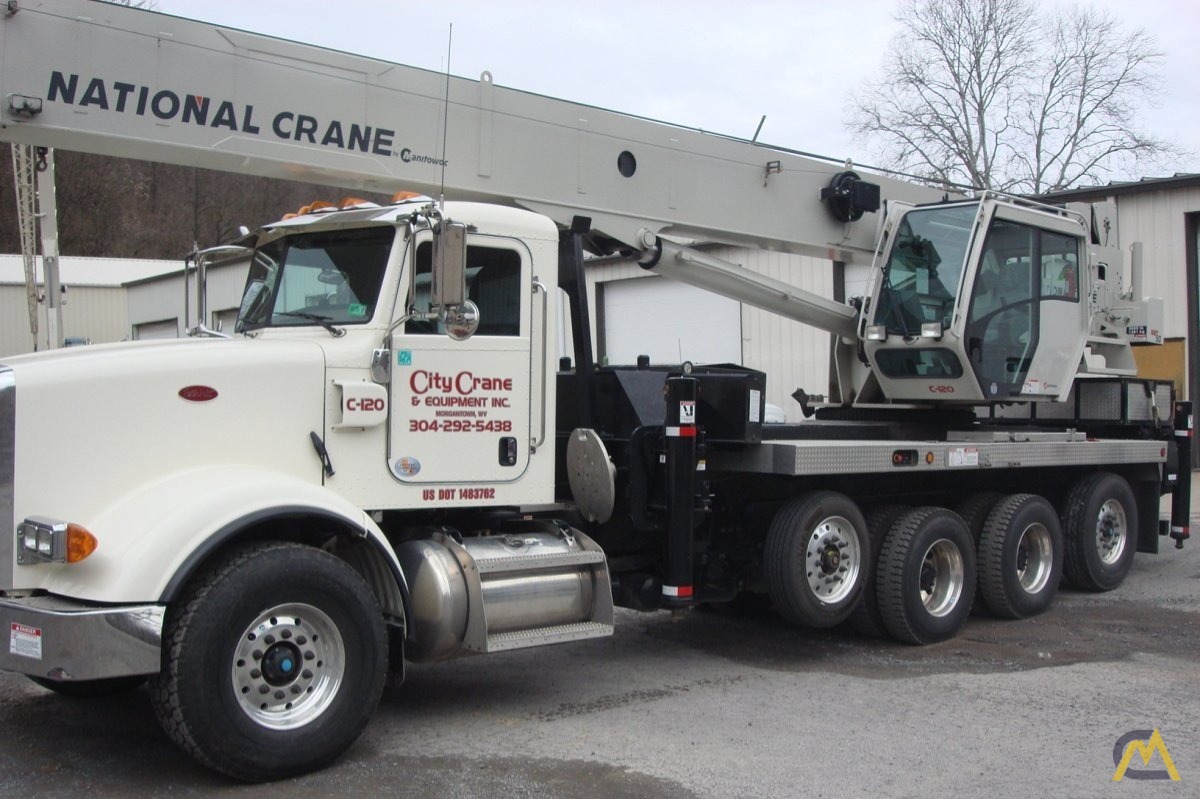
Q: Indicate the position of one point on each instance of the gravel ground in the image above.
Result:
(707, 705)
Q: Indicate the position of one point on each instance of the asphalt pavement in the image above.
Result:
(709, 705)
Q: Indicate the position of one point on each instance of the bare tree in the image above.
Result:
(990, 94)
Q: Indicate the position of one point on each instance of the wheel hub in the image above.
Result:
(832, 558)
(281, 664)
(1035, 558)
(287, 666)
(1111, 529)
(941, 579)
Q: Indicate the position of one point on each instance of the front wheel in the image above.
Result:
(273, 662)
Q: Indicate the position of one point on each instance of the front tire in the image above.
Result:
(816, 559)
(273, 662)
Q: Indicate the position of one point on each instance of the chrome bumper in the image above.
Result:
(61, 639)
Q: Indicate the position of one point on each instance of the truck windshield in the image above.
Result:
(326, 278)
(923, 268)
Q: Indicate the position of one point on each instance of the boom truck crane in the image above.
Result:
(382, 465)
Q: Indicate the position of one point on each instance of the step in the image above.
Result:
(537, 562)
(539, 636)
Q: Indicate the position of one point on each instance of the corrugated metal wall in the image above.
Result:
(97, 313)
(1157, 220)
(161, 299)
(793, 355)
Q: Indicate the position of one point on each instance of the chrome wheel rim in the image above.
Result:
(942, 577)
(833, 559)
(288, 666)
(1112, 530)
(1035, 558)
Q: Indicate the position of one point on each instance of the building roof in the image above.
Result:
(1180, 180)
(79, 271)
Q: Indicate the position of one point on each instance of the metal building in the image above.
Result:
(95, 307)
(1163, 214)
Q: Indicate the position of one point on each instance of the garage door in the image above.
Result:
(670, 322)
(151, 330)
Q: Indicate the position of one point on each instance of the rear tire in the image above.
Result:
(1100, 525)
(974, 511)
(817, 558)
(1020, 557)
(866, 618)
(273, 661)
(926, 577)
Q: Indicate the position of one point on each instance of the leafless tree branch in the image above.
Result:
(990, 93)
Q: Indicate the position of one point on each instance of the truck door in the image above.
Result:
(461, 409)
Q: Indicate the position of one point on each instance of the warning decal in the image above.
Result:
(25, 641)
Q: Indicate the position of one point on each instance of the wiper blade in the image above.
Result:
(323, 321)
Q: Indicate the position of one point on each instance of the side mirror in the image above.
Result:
(252, 300)
(449, 265)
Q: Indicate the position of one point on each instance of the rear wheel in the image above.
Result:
(1100, 525)
(1020, 557)
(816, 558)
(273, 662)
(974, 511)
(866, 619)
(926, 576)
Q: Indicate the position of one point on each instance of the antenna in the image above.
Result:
(446, 117)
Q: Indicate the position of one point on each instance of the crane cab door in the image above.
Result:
(461, 409)
(1025, 325)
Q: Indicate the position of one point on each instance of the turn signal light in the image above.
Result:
(43, 540)
(80, 543)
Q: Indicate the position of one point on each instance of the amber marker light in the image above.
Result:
(80, 543)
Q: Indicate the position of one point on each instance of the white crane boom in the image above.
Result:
(108, 79)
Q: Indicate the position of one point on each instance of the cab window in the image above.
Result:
(493, 284)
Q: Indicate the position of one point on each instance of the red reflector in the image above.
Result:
(198, 393)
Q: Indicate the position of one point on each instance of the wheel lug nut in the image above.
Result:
(309, 656)
(306, 674)
(257, 654)
(263, 689)
(300, 639)
(280, 695)
(295, 689)
(270, 639)
(255, 673)
(286, 634)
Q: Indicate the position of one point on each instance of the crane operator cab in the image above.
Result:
(981, 301)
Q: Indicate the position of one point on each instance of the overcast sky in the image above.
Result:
(713, 65)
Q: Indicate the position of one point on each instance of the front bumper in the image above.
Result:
(61, 639)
